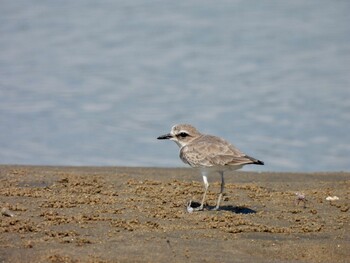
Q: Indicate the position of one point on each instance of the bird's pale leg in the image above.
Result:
(221, 191)
(206, 186)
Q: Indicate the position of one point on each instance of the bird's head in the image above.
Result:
(182, 134)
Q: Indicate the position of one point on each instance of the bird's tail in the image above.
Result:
(255, 161)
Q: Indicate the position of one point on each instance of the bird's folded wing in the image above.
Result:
(212, 151)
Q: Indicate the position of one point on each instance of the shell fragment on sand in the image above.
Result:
(332, 198)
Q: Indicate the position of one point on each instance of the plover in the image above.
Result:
(208, 153)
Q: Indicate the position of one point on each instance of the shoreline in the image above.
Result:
(138, 214)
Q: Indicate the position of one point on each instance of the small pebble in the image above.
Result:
(6, 212)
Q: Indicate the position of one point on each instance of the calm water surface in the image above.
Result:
(95, 82)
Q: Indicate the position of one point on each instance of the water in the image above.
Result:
(95, 82)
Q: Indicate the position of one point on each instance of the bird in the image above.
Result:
(209, 153)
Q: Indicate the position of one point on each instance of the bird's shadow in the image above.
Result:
(237, 209)
(234, 209)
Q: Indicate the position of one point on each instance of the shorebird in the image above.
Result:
(208, 153)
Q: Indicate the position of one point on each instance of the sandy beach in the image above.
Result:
(121, 214)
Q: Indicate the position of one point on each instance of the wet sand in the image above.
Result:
(116, 214)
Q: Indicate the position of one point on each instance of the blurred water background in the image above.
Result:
(90, 82)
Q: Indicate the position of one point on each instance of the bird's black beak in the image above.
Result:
(165, 137)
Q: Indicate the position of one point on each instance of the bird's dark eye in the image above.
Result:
(183, 134)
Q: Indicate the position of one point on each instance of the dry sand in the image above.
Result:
(116, 214)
